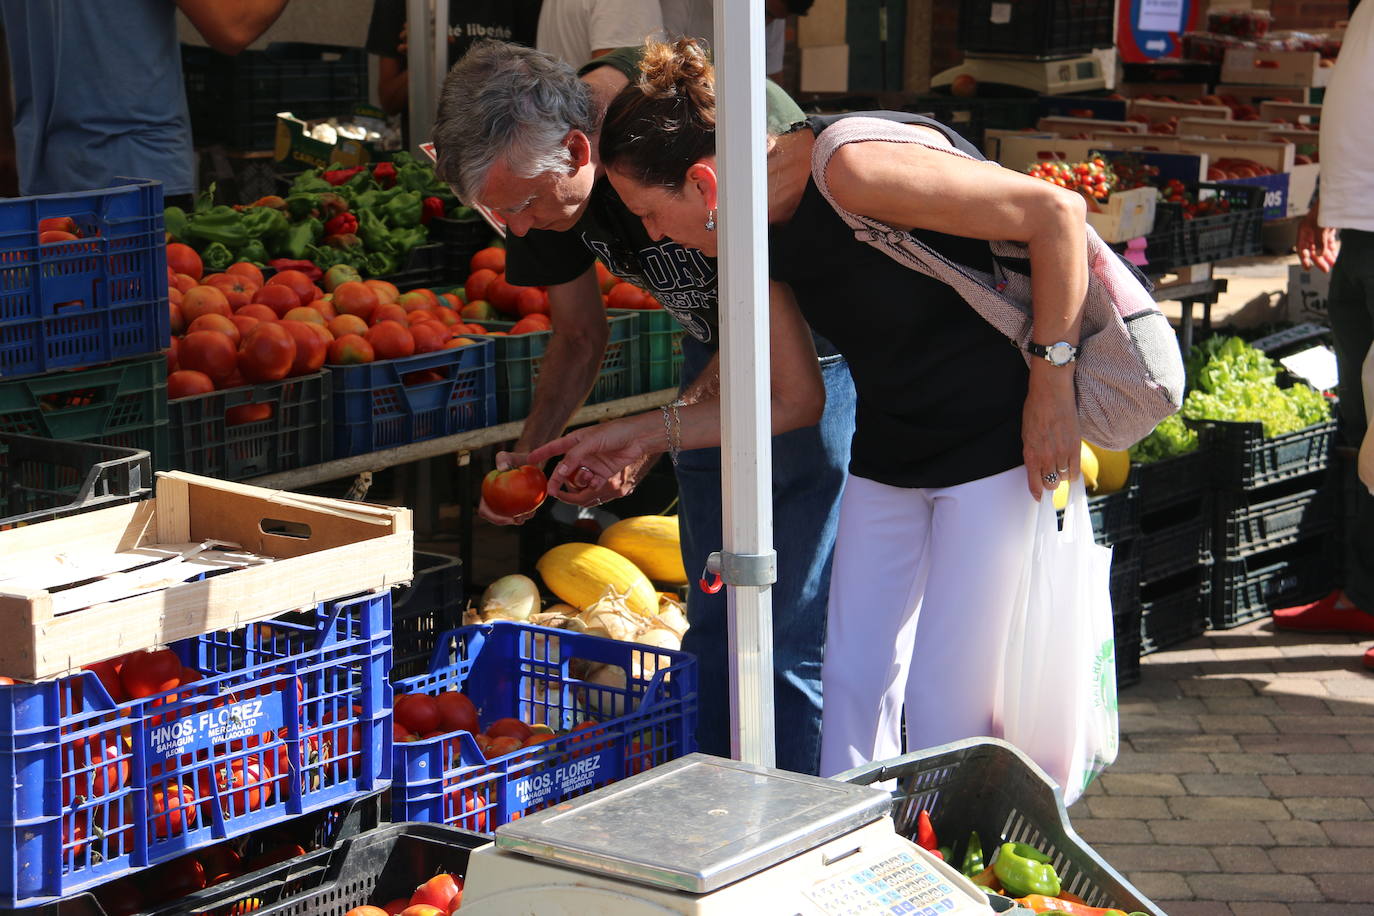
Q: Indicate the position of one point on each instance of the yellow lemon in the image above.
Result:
(1113, 467)
(1087, 463)
(1061, 495)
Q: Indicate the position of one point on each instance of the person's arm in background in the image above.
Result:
(566, 373)
(1317, 244)
(393, 84)
(229, 26)
(623, 23)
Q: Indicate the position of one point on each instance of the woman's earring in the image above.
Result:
(711, 220)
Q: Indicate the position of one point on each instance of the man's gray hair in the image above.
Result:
(507, 102)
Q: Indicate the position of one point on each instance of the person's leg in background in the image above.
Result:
(808, 468)
(981, 537)
(876, 584)
(1350, 304)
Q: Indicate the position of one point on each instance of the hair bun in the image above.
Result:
(680, 69)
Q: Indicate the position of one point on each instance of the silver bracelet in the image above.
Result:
(668, 431)
(677, 430)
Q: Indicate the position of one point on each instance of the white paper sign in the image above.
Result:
(1160, 16)
(1316, 365)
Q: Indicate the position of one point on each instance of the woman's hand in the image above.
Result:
(599, 463)
(1049, 428)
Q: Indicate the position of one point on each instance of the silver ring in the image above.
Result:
(1063, 470)
(1051, 478)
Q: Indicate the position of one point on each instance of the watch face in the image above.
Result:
(1061, 354)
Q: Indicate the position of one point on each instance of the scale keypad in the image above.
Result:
(899, 884)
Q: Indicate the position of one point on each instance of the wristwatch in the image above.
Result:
(1060, 353)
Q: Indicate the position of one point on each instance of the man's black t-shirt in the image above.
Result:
(940, 391)
(469, 21)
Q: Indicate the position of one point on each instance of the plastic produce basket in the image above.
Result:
(303, 696)
(1177, 547)
(1173, 481)
(1115, 516)
(1243, 459)
(1178, 242)
(431, 605)
(1042, 28)
(103, 297)
(316, 833)
(1254, 522)
(1253, 587)
(1175, 611)
(425, 266)
(988, 785)
(660, 350)
(1124, 580)
(518, 359)
(234, 100)
(42, 479)
(123, 404)
(449, 391)
(537, 675)
(222, 434)
(461, 239)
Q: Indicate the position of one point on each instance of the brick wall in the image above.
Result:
(1308, 14)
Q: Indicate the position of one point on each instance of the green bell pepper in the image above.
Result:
(264, 221)
(403, 210)
(310, 182)
(176, 222)
(973, 856)
(216, 257)
(255, 251)
(380, 264)
(374, 233)
(297, 238)
(218, 224)
(402, 240)
(1023, 870)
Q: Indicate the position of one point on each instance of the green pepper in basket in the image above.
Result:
(308, 182)
(176, 222)
(260, 222)
(297, 238)
(216, 257)
(218, 224)
(255, 252)
(973, 856)
(1024, 870)
(374, 233)
(403, 210)
(380, 264)
(402, 240)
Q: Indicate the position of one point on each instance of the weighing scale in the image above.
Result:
(1047, 76)
(712, 837)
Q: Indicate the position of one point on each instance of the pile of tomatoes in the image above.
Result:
(1093, 177)
(441, 895)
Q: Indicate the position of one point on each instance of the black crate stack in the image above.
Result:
(1274, 520)
(1116, 524)
(1175, 549)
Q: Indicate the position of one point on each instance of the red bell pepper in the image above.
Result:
(925, 831)
(337, 177)
(384, 173)
(306, 267)
(343, 224)
(430, 208)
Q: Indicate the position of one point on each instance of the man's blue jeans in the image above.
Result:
(809, 468)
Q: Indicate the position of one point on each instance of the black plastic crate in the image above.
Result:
(424, 267)
(1128, 652)
(1175, 611)
(1124, 580)
(461, 239)
(1172, 482)
(234, 100)
(1177, 241)
(1041, 28)
(1171, 71)
(1116, 516)
(1243, 459)
(1257, 521)
(43, 479)
(1250, 588)
(1178, 542)
(430, 605)
(319, 834)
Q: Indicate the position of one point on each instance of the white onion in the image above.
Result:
(512, 597)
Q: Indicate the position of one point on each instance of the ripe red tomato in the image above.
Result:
(366, 911)
(420, 713)
(146, 673)
(108, 672)
(515, 492)
(110, 772)
(221, 863)
(509, 728)
(242, 786)
(174, 809)
(74, 832)
(177, 878)
(457, 902)
(435, 892)
(457, 712)
(423, 909)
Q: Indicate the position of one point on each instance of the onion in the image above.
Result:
(513, 597)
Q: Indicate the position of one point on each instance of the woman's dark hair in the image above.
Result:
(664, 121)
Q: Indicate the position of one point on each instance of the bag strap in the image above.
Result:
(902, 246)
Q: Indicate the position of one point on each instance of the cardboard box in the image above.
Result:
(1159, 112)
(1174, 90)
(1254, 95)
(1226, 129)
(78, 590)
(1071, 126)
(1126, 215)
(1308, 291)
(297, 146)
(824, 25)
(1274, 68)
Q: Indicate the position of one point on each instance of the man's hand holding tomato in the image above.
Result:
(513, 492)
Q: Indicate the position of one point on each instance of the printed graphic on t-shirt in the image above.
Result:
(474, 31)
(682, 279)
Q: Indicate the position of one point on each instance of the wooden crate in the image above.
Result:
(1276, 68)
(1068, 127)
(1293, 112)
(1159, 112)
(1126, 215)
(81, 589)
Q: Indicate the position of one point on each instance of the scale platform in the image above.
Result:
(704, 836)
(1047, 76)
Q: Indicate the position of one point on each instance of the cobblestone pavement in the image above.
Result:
(1245, 781)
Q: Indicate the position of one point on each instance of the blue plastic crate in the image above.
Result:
(374, 408)
(103, 297)
(303, 700)
(540, 675)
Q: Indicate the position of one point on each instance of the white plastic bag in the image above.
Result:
(1058, 695)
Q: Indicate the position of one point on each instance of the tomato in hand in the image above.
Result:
(515, 492)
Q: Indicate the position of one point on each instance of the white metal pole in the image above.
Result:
(746, 415)
(420, 65)
(439, 61)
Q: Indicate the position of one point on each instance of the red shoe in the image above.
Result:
(1324, 616)
(1369, 658)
